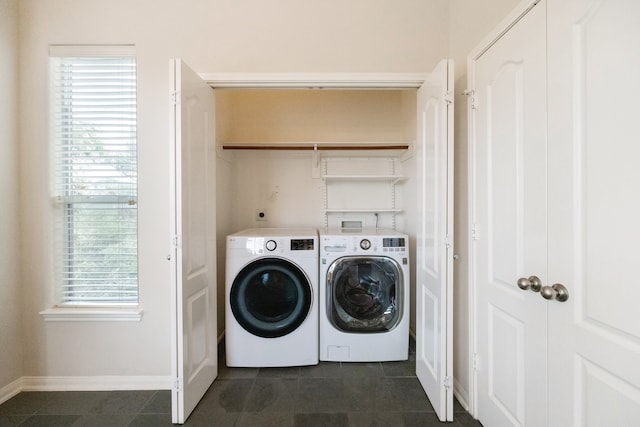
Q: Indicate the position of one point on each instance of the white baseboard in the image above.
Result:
(461, 394)
(96, 383)
(10, 390)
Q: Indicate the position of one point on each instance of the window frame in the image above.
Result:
(88, 310)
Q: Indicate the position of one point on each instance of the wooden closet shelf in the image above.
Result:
(316, 147)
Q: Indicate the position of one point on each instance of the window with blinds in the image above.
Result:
(95, 175)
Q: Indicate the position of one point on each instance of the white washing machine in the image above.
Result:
(272, 297)
(364, 295)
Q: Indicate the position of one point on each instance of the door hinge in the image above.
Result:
(448, 97)
(177, 241)
(177, 385)
(472, 97)
(474, 362)
(448, 383)
(474, 232)
(447, 241)
(175, 97)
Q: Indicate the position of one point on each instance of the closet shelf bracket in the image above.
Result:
(316, 156)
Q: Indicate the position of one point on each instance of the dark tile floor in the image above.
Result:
(329, 394)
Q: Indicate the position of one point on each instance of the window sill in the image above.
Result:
(90, 314)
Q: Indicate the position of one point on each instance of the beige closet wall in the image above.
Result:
(10, 289)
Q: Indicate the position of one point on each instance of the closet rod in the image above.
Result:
(314, 148)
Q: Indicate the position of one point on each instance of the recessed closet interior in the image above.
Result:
(314, 157)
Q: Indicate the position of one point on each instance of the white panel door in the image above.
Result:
(594, 201)
(434, 271)
(509, 224)
(193, 198)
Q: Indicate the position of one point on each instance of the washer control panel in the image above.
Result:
(361, 244)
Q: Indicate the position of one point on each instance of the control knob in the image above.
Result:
(365, 244)
(271, 245)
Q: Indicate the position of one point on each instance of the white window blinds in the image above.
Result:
(95, 176)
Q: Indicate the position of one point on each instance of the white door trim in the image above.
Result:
(512, 19)
(315, 80)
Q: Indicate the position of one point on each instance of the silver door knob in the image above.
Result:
(532, 283)
(557, 292)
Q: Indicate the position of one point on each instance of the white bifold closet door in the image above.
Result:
(510, 224)
(434, 247)
(194, 331)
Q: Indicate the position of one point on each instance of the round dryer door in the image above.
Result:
(364, 294)
(270, 297)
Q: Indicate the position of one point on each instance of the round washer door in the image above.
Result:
(270, 297)
(364, 294)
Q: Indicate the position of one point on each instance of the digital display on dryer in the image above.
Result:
(393, 242)
(302, 244)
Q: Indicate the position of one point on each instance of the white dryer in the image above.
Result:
(272, 297)
(364, 295)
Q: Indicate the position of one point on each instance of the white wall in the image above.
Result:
(10, 289)
(94, 348)
(469, 23)
(212, 36)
